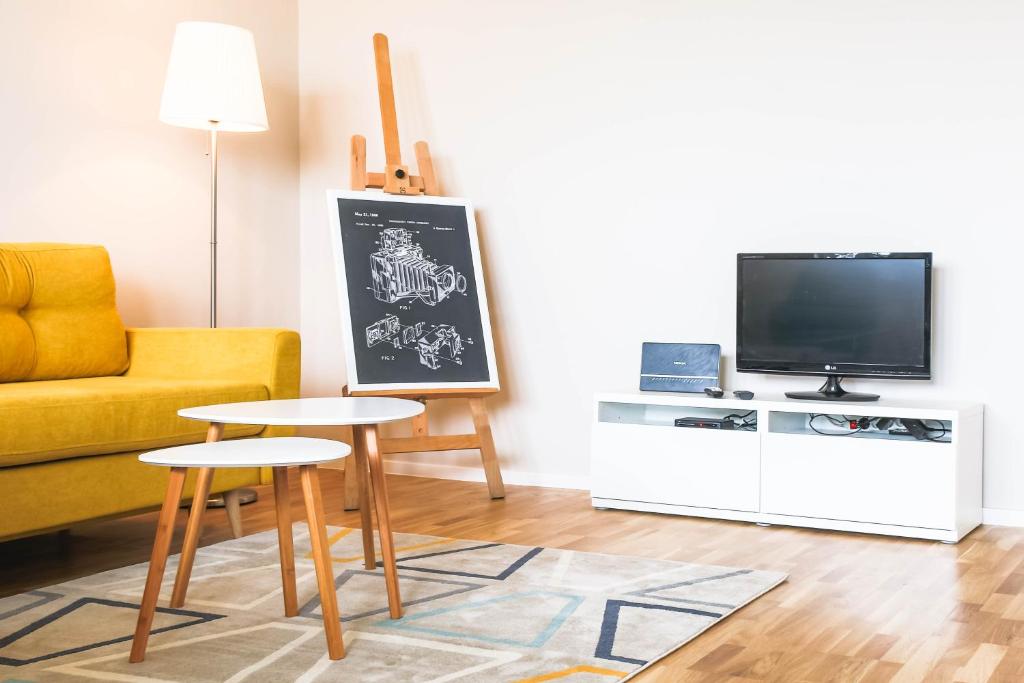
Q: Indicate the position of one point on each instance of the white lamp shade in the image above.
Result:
(213, 79)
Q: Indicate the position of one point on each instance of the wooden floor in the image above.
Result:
(855, 608)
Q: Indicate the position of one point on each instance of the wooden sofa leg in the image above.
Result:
(234, 509)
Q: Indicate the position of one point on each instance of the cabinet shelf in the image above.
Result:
(785, 472)
(800, 423)
(654, 415)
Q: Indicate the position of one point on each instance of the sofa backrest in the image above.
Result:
(58, 315)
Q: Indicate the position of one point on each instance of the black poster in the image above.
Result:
(416, 309)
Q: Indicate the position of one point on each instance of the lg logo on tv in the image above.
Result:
(831, 367)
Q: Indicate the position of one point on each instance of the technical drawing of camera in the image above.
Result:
(400, 271)
(439, 343)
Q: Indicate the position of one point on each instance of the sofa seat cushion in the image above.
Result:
(57, 419)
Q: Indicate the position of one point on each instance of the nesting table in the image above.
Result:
(278, 453)
(361, 413)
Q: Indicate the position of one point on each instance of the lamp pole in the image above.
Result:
(213, 223)
(213, 83)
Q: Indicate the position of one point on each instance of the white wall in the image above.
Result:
(621, 154)
(84, 158)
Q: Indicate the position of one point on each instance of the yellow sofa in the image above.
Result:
(81, 396)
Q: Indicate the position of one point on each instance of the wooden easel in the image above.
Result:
(396, 179)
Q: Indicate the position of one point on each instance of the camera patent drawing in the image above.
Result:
(385, 329)
(441, 343)
(400, 271)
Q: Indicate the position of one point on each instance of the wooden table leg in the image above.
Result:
(360, 468)
(157, 562)
(380, 497)
(489, 456)
(194, 529)
(351, 485)
(192, 532)
(322, 560)
(284, 541)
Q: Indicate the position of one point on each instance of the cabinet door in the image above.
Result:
(674, 465)
(905, 483)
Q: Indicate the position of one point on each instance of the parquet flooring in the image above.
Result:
(855, 608)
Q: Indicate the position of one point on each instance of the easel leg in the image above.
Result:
(357, 167)
(492, 469)
(426, 167)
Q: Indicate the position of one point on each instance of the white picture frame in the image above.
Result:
(390, 268)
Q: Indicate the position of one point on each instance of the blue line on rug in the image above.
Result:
(45, 598)
(649, 592)
(504, 574)
(342, 579)
(572, 603)
(610, 624)
(201, 618)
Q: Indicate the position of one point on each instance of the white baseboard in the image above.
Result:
(996, 517)
(457, 472)
(990, 516)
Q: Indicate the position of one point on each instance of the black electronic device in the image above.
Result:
(714, 392)
(743, 395)
(679, 367)
(916, 428)
(836, 315)
(705, 423)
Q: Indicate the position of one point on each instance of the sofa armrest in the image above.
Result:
(269, 356)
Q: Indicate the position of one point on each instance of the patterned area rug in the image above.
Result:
(475, 611)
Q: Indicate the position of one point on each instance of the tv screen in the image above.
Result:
(835, 314)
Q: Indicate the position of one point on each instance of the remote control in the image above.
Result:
(743, 395)
(714, 392)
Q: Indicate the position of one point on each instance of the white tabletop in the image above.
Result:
(299, 412)
(272, 452)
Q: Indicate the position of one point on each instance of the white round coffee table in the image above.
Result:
(278, 453)
(363, 414)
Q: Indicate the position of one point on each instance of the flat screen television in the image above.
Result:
(836, 315)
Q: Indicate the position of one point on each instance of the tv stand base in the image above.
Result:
(832, 390)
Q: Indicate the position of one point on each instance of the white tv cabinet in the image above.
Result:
(785, 473)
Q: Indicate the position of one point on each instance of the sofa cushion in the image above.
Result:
(57, 419)
(71, 311)
(18, 349)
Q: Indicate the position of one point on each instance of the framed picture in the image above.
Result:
(413, 306)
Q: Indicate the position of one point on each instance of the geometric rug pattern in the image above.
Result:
(474, 611)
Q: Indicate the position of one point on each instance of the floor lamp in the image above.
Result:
(213, 83)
